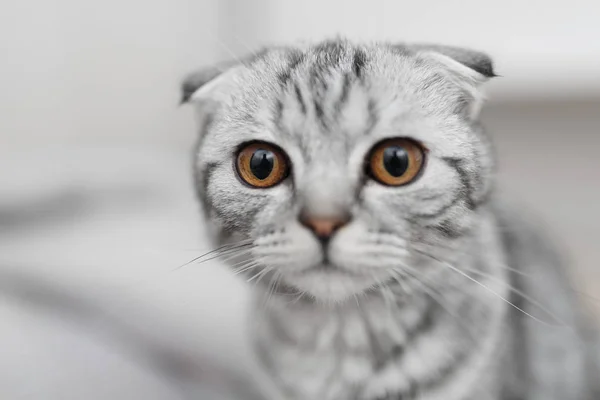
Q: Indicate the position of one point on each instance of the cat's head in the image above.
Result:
(339, 165)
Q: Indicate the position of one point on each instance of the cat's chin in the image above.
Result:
(330, 284)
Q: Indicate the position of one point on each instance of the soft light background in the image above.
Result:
(95, 188)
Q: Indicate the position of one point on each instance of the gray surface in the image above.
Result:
(91, 236)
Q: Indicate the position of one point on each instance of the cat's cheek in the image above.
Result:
(305, 251)
(291, 249)
(361, 249)
(345, 248)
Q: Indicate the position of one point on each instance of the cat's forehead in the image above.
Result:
(322, 68)
(328, 94)
(335, 97)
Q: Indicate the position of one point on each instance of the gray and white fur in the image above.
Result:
(434, 290)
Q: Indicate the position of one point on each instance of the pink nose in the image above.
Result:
(324, 227)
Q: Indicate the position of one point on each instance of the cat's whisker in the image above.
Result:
(517, 292)
(277, 282)
(239, 263)
(218, 250)
(271, 289)
(516, 271)
(232, 255)
(490, 290)
(439, 298)
(259, 275)
(388, 297)
(228, 254)
(405, 269)
(357, 300)
(299, 297)
(379, 286)
(296, 297)
(400, 279)
(268, 270)
(437, 246)
(245, 267)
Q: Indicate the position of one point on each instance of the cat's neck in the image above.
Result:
(371, 324)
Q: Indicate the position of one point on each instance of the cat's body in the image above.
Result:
(354, 185)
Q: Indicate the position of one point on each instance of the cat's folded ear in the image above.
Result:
(469, 68)
(195, 80)
(201, 79)
(473, 59)
(205, 80)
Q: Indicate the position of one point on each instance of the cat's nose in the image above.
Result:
(324, 227)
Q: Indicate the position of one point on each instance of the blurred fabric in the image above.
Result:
(90, 294)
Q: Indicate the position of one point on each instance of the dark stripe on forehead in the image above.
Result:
(296, 57)
(347, 82)
(373, 116)
(358, 62)
(319, 112)
(330, 53)
(299, 98)
(327, 56)
(278, 114)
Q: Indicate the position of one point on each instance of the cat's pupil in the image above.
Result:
(261, 163)
(395, 160)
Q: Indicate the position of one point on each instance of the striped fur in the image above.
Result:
(419, 304)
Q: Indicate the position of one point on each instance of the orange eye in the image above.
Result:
(396, 162)
(262, 165)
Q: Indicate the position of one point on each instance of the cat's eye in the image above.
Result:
(395, 162)
(262, 165)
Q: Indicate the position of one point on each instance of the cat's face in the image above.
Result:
(342, 165)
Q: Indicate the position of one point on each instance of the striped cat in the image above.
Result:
(353, 186)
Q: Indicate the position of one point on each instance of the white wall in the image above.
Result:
(541, 47)
(99, 70)
(74, 70)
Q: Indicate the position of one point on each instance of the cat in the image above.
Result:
(353, 186)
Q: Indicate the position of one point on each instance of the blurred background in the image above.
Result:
(96, 202)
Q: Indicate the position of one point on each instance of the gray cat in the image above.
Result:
(353, 186)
